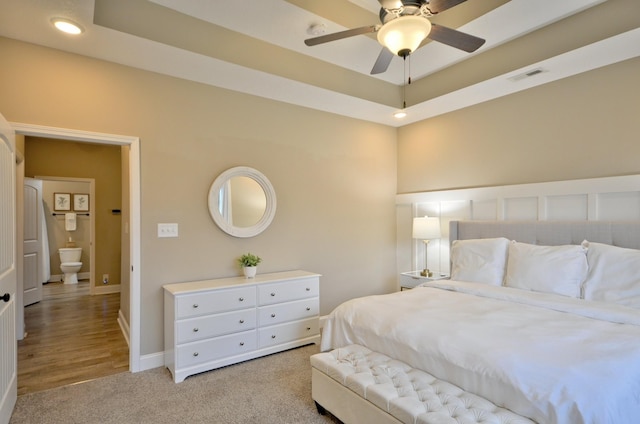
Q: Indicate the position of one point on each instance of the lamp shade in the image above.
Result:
(426, 228)
(404, 34)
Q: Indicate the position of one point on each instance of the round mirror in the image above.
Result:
(242, 202)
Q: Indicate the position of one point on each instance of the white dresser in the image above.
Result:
(213, 323)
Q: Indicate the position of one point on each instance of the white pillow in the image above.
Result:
(548, 269)
(479, 260)
(614, 275)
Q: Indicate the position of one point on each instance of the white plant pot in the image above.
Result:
(249, 271)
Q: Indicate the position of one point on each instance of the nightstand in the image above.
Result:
(410, 279)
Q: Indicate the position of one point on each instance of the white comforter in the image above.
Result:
(552, 359)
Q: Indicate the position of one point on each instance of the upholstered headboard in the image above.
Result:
(551, 233)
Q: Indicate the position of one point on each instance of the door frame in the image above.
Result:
(134, 217)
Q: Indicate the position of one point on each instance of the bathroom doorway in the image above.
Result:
(76, 323)
(129, 314)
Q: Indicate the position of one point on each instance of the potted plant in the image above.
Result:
(249, 263)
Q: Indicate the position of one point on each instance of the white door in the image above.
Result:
(8, 342)
(33, 238)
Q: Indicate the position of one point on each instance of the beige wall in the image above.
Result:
(57, 158)
(580, 127)
(334, 177)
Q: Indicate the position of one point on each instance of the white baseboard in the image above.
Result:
(56, 278)
(107, 289)
(124, 326)
(153, 360)
(147, 362)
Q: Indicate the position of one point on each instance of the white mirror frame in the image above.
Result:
(269, 192)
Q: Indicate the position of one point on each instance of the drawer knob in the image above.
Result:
(273, 315)
(273, 294)
(308, 308)
(195, 353)
(195, 330)
(308, 328)
(241, 321)
(241, 299)
(241, 343)
(273, 336)
(308, 288)
(195, 305)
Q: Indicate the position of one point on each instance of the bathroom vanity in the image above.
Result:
(213, 323)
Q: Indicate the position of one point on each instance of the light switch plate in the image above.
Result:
(168, 230)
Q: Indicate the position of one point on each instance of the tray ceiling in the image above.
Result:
(256, 47)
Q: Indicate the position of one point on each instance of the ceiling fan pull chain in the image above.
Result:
(404, 69)
(404, 78)
(404, 85)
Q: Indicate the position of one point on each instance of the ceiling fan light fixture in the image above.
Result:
(404, 34)
(67, 26)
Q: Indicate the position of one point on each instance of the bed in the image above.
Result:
(540, 318)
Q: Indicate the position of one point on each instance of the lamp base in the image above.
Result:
(426, 273)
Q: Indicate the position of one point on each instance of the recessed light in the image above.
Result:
(67, 26)
(400, 114)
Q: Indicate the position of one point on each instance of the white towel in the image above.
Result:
(70, 221)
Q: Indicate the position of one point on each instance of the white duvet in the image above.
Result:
(549, 358)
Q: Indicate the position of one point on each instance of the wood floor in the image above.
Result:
(71, 337)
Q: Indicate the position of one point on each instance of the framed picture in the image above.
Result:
(81, 202)
(61, 201)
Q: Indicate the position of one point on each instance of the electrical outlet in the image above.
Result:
(167, 230)
(105, 278)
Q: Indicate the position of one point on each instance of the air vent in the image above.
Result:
(527, 74)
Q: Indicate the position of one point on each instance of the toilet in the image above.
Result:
(70, 263)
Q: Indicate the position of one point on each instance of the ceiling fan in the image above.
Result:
(404, 25)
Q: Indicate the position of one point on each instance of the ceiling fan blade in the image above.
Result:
(454, 38)
(340, 35)
(391, 4)
(382, 62)
(437, 6)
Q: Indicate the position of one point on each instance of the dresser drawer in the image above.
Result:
(284, 333)
(290, 311)
(220, 347)
(205, 327)
(289, 290)
(223, 300)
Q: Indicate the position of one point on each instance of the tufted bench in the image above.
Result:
(358, 385)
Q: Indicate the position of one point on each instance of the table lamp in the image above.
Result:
(426, 228)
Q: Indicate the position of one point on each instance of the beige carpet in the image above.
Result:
(273, 389)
